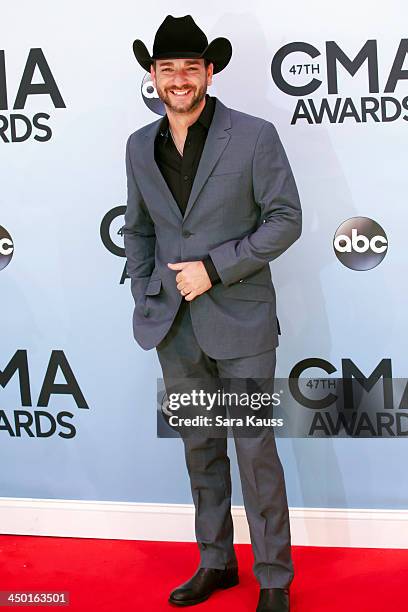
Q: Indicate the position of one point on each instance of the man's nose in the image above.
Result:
(180, 78)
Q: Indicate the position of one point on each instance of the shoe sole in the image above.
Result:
(193, 602)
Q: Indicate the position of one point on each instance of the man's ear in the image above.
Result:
(210, 70)
(153, 74)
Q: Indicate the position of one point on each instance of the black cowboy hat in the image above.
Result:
(180, 37)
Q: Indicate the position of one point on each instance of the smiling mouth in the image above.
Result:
(180, 94)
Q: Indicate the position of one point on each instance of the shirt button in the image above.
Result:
(186, 177)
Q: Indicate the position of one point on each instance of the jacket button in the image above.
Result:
(186, 234)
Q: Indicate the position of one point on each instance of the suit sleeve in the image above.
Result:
(275, 192)
(138, 234)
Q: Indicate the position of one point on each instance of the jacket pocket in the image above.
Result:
(226, 175)
(153, 286)
(245, 290)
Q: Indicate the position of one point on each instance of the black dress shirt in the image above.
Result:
(179, 170)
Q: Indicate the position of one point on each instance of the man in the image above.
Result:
(211, 201)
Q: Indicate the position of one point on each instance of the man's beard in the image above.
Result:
(195, 98)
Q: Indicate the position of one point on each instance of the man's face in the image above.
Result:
(181, 84)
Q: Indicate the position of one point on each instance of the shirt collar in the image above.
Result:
(204, 118)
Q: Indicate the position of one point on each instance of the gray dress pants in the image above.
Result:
(208, 465)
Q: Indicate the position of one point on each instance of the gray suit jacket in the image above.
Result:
(243, 211)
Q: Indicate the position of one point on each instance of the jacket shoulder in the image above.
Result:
(145, 129)
(241, 119)
(250, 127)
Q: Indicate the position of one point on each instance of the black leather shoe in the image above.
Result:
(273, 600)
(204, 582)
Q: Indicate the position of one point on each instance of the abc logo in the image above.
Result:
(150, 97)
(6, 248)
(360, 243)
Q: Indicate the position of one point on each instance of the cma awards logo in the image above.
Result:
(297, 71)
(387, 417)
(36, 423)
(110, 229)
(150, 97)
(6, 248)
(18, 126)
(360, 243)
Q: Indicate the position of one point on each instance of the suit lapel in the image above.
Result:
(216, 141)
(153, 169)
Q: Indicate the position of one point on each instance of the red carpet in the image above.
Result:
(127, 576)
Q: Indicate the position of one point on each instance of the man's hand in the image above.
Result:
(192, 279)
